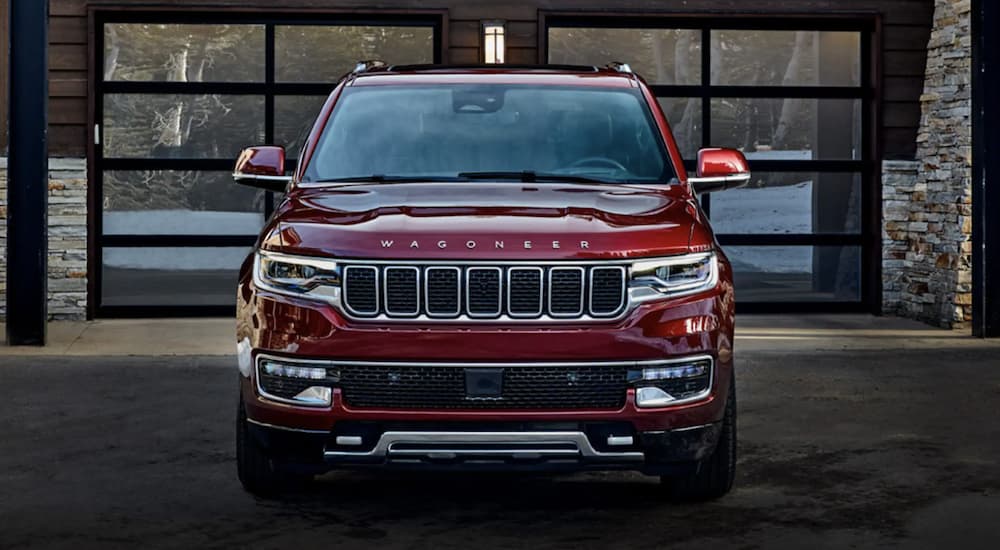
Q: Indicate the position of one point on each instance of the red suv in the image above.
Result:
(480, 268)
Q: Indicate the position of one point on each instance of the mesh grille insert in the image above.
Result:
(607, 290)
(402, 291)
(361, 289)
(525, 291)
(566, 291)
(442, 290)
(484, 291)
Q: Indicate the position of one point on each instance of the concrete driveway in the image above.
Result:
(855, 432)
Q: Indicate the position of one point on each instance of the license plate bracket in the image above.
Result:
(483, 383)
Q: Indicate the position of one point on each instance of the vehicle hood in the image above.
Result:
(486, 221)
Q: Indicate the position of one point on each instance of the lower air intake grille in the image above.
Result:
(524, 387)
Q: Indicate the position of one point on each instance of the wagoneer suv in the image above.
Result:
(482, 268)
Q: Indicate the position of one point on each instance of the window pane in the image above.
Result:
(170, 276)
(684, 116)
(796, 273)
(791, 203)
(786, 58)
(293, 119)
(181, 126)
(308, 53)
(183, 53)
(788, 129)
(179, 202)
(426, 131)
(661, 56)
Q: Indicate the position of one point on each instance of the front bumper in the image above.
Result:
(542, 447)
(662, 438)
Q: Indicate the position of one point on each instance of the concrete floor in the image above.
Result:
(855, 432)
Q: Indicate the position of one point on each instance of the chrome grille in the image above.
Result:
(513, 292)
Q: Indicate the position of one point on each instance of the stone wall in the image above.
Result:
(67, 239)
(927, 206)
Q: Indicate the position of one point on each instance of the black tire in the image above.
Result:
(714, 476)
(258, 473)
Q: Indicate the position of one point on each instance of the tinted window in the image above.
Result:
(445, 130)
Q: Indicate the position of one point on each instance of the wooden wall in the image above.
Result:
(906, 31)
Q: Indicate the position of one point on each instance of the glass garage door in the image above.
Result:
(797, 102)
(176, 100)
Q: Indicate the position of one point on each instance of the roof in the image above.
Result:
(578, 75)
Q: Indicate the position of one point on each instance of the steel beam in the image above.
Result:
(985, 168)
(27, 174)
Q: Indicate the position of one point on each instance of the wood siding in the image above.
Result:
(905, 25)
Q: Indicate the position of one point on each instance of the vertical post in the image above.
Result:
(985, 169)
(27, 173)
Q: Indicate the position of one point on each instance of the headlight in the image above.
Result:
(674, 276)
(317, 278)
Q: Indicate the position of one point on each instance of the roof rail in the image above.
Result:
(493, 67)
(368, 65)
(620, 67)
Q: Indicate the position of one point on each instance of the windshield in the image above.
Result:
(491, 131)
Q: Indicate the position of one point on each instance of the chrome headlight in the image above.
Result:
(673, 276)
(309, 277)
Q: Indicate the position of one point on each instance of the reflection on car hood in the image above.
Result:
(483, 220)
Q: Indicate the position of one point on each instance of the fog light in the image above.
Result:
(308, 383)
(315, 395)
(293, 371)
(671, 373)
(653, 397)
(672, 383)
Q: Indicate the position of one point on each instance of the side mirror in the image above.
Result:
(262, 167)
(720, 169)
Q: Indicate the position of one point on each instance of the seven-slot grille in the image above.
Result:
(524, 387)
(484, 292)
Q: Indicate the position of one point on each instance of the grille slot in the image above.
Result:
(524, 387)
(524, 291)
(504, 292)
(483, 291)
(566, 291)
(443, 294)
(361, 289)
(607, 290)
(402, 290)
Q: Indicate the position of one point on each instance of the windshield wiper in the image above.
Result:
(383, 178)
(528, 176)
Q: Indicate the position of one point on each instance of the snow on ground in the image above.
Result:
(768, 210)
(181, 222)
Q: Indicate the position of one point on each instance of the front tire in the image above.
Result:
(714, 475)
(257, 472)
